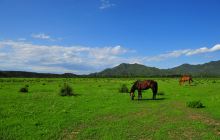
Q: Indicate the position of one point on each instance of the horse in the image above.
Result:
(143, 85)
(185, 78)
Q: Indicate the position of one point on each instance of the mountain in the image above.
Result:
(23, 74)
(136, 70)
(128, 70)
(211, 69)
(207, 69)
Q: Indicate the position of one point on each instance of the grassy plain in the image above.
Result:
(99, 111)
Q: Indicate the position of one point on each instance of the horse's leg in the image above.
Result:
(154, 94)
(182, 82)
(139, 95)
(132, 96)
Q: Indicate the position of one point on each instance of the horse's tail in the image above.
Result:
(155, 88)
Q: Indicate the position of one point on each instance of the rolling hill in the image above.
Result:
(24, 74)
(131, 70)
(128, 70)
(210, 69)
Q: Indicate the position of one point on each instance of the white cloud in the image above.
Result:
(106, 4)
(204, 50)
(22, 39)
(57, 58)
(20, 55)
(178, 53)
(41, 36)
(162, 57)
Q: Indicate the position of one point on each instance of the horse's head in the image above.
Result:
(132, 95)
(133, 88)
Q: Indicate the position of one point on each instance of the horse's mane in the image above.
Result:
(134, 87)
(135, 83)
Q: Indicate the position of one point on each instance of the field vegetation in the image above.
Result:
(99, 111)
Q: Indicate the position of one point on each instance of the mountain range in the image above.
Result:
(210, 69)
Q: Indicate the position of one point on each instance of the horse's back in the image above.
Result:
(145, 84)
(186, 77)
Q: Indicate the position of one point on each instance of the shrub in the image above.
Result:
(24, 89)
(66, 90)
(195, 104)
(123, 89)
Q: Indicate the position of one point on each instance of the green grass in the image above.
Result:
(99, 111)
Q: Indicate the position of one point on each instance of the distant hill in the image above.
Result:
(136, 70)
(23, 74)
(211, 69)
(128, 70)
(208, 69)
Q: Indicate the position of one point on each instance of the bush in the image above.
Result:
(24, 89)
(123, 89)
(195, 104)
(66, 90)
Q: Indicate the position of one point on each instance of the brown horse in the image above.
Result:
(185, 78)
(143, 85)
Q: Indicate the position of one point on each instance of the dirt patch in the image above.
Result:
(208, 121)
(72, 134)
(192, 114)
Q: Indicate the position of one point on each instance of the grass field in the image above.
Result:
(99, 111)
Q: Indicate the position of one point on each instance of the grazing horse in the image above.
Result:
(185, 78)
(143, 85)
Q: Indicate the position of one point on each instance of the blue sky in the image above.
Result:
(83, 36)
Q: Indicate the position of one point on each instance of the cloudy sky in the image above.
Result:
(84, 36)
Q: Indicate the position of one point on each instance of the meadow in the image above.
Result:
(99, 111)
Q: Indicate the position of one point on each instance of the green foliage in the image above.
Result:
(24, 89)
(123, 89)
(66, 90)
(195, 104)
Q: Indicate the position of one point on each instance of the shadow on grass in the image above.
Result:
(161, 93)
(193, 85)
(157, 99)
(75, 94)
